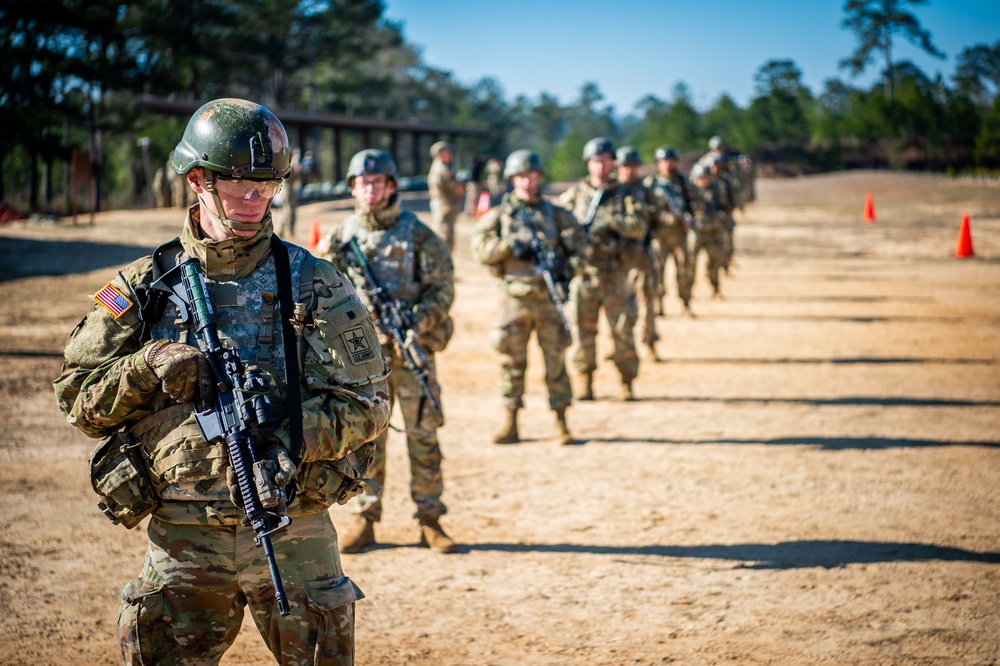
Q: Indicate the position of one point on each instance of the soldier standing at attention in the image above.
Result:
(134, 374)
(644, 277)
(445, 192)
(503, 241)
(615, 226)
(670, 237)
(414, 267)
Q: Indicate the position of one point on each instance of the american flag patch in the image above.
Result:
(113, 300)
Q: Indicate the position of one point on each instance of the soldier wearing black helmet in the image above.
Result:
(672, 196)
(502, 240)
(615, 225)
(135, 375)
(414, 268)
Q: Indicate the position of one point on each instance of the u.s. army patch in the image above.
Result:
(113, 300)
(359, 347)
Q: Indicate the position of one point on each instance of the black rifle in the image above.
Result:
(545, 263)
(239, 409)
(677, 205)
(595, 202)
(392, 319)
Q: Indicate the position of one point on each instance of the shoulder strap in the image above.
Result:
(287, 309)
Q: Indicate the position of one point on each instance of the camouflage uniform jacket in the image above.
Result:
(409, 260)
(106, 384)
(618, 227)
(442, 185)
(655, 185)
(716, 207)
(555, 227)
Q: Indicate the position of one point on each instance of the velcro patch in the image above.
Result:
(113, 300)
(359, 347)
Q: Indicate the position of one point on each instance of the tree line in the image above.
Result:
(73, 67)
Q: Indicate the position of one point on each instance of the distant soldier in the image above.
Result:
(711, 223)
(414, 268)
(725, 167)
(445, 192)
(644, 277)
(495, 181)
(669, 189)
(180, 193)
(286, 200)
(727, 204)
(161, 187)
(615, 226)
(748, 176)
(503, 240)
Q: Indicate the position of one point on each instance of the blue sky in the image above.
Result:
(639, 47)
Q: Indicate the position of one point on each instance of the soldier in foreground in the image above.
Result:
(520, 240)
(141, 372)
(445, 193)
(615, 226)
(413, 295)
(671, 195)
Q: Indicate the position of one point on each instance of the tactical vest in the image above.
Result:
(542, 217)
(395, 268)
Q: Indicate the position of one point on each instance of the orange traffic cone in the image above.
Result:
(484, 204)
(964, 247)
(314, 235)
(869, 208)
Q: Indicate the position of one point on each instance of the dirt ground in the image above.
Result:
(811, 477)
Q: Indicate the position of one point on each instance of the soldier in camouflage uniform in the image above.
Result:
(615, 225)
(502, 241)
(134, 368)
(445, 193)
(414, 267)
(670, 235)
(710, 231)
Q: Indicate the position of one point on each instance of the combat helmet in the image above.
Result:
(371, 161)
(628, 156)
(716, 142)
(439, 146)
(521, 161)
(596, 146)
(666, 153)
(234, 138)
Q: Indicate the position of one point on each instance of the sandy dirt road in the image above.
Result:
(810, 478)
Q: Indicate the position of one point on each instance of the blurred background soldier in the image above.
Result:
(134, 374)
(286, 200)
(495, 181)
(645, 276)
(727, 204)
(615, 227)
(711, 224)
(180, 192)
(445, 193)
(670, 235)
(724, 164)
(415, 269)
(503, 241)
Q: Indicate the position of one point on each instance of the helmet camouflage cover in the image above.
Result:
(666, 153)
(716, 142)
(371, 161)
(521, 161)
(234, 138)
(596, 146)
(628, 156)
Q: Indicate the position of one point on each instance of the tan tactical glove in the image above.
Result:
(182, 369)
(270, 476)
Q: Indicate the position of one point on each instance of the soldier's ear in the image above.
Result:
(196, 179)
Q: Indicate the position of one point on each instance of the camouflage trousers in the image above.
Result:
(443, 217)
(591, 291)
(187, 605)
(713, 241)
(421, 422)
(519, 316)
(646, 286)
(729, 248)
(673, 243)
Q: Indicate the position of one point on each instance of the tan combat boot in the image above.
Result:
(562, 429)
(508, 431)
(359, 536)
(588, 386)
(627, 394)
(432, 536)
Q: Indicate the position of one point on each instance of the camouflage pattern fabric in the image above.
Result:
(712, 228)
(187, 605)
(106, 384)
(670, 234)
(446, 200)
(613, 245)
(525, 304)
(415, 267)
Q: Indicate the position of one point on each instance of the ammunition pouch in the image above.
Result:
(336, 481)
(119, 474)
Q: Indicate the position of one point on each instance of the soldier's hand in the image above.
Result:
(271, 475)
(181, 368)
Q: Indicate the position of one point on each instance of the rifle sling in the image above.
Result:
(287, 309)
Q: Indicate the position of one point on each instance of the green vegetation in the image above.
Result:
(73, 67)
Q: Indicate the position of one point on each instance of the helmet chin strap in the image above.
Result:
(230, 225)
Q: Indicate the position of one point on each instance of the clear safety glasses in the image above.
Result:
(244, 188)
